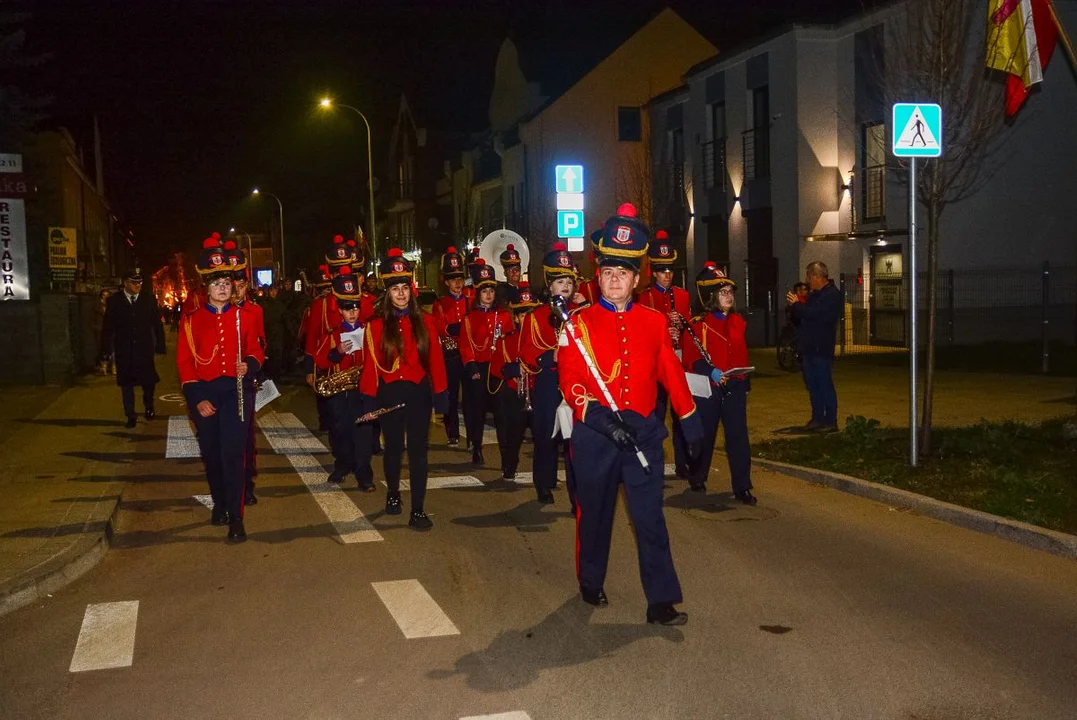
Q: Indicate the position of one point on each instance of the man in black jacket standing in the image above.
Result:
(818, 318)
(133, 328)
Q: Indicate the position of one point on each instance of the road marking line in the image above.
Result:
(515, 715)
(442, 482)
(287, 434)
(285, 437)
(417, 614)
(181, 440)
(107, 637)
(206, 500)
(527, 478)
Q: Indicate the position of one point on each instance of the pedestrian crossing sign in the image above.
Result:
(917, 130)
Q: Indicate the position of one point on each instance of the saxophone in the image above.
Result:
(332, 384)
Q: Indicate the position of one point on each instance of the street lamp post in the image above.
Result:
(328, 103)
(280, 206)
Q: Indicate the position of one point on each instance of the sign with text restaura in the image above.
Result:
(14, 268)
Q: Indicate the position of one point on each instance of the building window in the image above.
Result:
(873, 161)
(756, 141)
(629, 124)
(714, 149)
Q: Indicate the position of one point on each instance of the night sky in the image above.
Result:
(200, 101)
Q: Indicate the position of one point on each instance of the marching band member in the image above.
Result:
(512, 392)
(676, 305)
(482, 327)
(352, 443)
(469, 284)
(366, 299)
(612, 390)
(218, 348)
(720, 331)
(324, 316)
(240, 287)
(449, 311)
(538, 352)
(508, 292)
(404, 365)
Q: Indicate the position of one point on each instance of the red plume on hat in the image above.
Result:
(510, 246)
(396, 252)
(338, 239)
(480, 261)
(559, 247)
(344, 271)
(661, 235)
(451, 250)
(710, 264)
(229, 244)
(627, 210)
(210, 242)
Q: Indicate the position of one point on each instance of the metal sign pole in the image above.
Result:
(912, 313)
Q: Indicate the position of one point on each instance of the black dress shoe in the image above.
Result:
(476, 455)
(420, 521)
(250, 498)
(682, 472)
(336, 477)
(594, 597)
(151, 414)
(392, 504)
(665, 614)
(367, 487)
(236, 532)
(697, 487)
(453, 442)
(508, 475)
(746, 497)
(132, 420)
(219, 516)
(545, 497)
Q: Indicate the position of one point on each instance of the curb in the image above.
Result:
(73, 563)
(1033, 536)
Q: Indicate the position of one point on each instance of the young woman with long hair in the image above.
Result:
(404, 365)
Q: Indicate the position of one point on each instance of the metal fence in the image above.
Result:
(974, 307)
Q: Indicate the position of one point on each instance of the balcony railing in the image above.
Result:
(874, 193)
(756, 144)
(713, 165)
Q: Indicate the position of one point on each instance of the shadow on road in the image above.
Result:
(516, 658)
(528, 515)
(72, 422)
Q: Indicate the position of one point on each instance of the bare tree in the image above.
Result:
(934, 52)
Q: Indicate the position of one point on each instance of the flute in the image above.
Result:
(239, 359)
(375, 414)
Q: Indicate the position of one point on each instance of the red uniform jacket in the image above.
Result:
(477, 333)
(507, 350)
(378, 368)
(323, 317)
(722, 338)
(323, 356)
(449, 310)
(666, 301)
(195, 300)
(537, 336)
(632, 351)
(260, 321)
(209, 349)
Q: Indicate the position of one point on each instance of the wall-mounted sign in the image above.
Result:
(63, 254)
(14, 269)
(568, 182)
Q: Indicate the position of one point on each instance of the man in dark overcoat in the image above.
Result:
(133, 328)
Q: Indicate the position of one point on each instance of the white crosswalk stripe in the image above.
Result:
(107, 637)
(528, 478)
(416, 613)
(443, 482)
(206, 500)
(288, 436)
(515, 715)
(181, 439)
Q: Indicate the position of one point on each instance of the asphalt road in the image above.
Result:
(812, 605)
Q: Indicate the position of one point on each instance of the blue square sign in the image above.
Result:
(569, 178)
(570, 223)
(917, 130)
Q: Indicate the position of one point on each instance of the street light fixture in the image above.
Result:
(327, 102)
(280, 206)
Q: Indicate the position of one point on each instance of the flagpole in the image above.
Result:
(1062, 33)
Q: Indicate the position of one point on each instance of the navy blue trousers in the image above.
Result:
(477, 402)
(127, 392)
(411, 421)
(454, 370)
(545, 398)
(222, 439)
(680, 447)
(511, 423)
(819, 379)
(599, 470)
(353, 445)
(729, 406)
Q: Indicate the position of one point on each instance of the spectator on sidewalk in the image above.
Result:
(104, 352)
(133, 329)
(818, 324)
